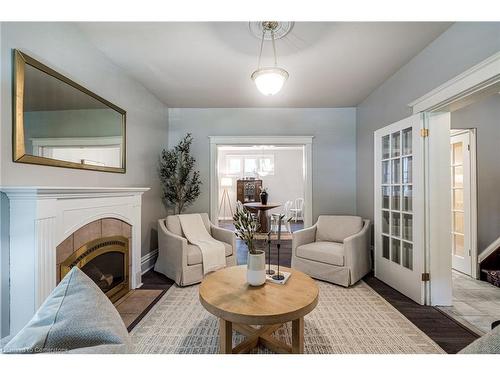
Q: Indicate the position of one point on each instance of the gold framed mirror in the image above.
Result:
(59, 123)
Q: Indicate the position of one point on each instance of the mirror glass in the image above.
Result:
(63, 124)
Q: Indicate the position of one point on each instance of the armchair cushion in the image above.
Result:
(337, 228)
(324, 252)
(194, 253)
(174, 225)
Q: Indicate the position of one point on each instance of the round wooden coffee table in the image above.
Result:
(239, 306)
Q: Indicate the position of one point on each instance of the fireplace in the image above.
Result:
(49, 224)
(105, 261)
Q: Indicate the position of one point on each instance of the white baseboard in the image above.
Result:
(146, 261)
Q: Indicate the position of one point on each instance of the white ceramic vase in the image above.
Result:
(256, 268)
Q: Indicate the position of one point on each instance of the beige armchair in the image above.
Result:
(335, 249)
(182, 261)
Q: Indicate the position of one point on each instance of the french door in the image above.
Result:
(460, 170)
(399, 207)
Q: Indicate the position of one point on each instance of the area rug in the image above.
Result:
(353, 320)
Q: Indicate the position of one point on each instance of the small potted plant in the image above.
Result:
(246, 227)
(263, 195)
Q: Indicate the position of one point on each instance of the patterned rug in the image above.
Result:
(355, 320)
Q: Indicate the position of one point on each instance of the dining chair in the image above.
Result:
(286, 213)
(298, 210)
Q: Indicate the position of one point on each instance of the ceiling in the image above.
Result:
(208, 64)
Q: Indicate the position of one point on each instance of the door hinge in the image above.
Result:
(424, 132)
(468, 147)
(426, 276)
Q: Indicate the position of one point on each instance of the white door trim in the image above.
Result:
(305, 141)
(480, 76)
(438, 208)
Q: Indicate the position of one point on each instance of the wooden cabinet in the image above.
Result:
(248, 190)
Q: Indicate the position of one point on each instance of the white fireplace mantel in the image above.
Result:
(41, 218)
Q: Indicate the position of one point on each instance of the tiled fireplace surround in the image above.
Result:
(106, 227)
(49, 223)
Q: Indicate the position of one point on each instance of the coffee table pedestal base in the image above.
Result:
(262, 335)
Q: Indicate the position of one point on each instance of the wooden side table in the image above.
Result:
(238, 306)
(262, 208)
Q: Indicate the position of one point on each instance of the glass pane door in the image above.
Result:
(457, 187)
(397, 198)
(399, 207)
(460, 203)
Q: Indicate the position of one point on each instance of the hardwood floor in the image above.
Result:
(446, 332)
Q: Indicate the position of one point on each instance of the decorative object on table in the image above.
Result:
(180, 182)
(225, 182)
(279, 276)
(263, 195)
(269, 270)
(281, 281)
(245, 228)
(247, 190)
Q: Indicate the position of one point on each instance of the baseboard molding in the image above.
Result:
(148, 261)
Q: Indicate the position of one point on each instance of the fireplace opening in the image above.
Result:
(105, 261)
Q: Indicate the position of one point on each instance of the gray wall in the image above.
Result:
(484, 115)
(62, 47)
(334, 145)
(457, 49)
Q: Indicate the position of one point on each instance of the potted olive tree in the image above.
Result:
(180, 181)
(246, 227)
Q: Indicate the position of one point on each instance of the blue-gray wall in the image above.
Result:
(460, 47)
(334, 145)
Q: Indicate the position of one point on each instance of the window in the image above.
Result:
(250, 165)
(234, 166)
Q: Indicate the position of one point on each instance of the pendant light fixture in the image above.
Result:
(269, 80)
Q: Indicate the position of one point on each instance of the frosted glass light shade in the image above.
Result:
(226, 182)
(269, 81)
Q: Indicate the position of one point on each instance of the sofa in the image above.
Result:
(335, 249)
(181, 261)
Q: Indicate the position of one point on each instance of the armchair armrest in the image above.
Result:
(357, 252)
(172, 253)
(224, 235)
(302, 237)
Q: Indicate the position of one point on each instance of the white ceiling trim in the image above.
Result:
(481, 75)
